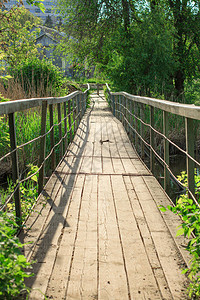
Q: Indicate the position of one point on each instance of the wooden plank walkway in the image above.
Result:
(101, 234)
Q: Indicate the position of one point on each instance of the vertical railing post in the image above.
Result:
(132, 120)
(73, 115)
(114, 104)
(78, 109)
(136, 124)
(142, 129)
(85, 99)
(82, 105)
(60, 131)
(69, 120)
(65, 124)
(166, 149)
(118, 114)
(15, 169)
(42, 146)
(97, 89)
(189, 131)
(125, 124)
(152, 156)
(52, 139)
(120, 108)
(123, 111)
(129, 117)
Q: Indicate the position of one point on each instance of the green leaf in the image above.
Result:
(180, 232)
(162, 208)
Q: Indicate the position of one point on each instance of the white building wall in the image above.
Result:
(49, 9)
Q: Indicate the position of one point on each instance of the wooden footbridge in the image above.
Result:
(97, 231)
(101, 234)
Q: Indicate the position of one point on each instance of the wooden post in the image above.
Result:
(42, 146)
(86, 95)
(129, 117)
(189, 131)
(136, 124)
(152, 156)
(97, 89)
(113, 98)
(142, 129)
(132, 120)
(73, 116)
(78, 109)
(60, 131)
(69, 120)
(120, 108)
(166, 149)
(65, 124)
(52, 140)
(123, 111)
(81, 104)
(15, 168)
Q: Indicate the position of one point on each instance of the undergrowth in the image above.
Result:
(13, 265)
(189, 211)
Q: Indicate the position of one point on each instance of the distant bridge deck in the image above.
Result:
(101, 234)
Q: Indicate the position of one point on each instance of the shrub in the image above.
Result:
(39, 78)
(12, 262)
(188, 210)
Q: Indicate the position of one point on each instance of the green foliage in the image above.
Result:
(39, 77)
(28, 190)
(4, 136)
(188, 210)
(48, 22)
(13, 264)
(143, 47)
(16, 41)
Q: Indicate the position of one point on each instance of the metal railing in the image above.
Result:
(73, 107)
(132, 110)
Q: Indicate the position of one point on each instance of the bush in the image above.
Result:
(188, 210)
(39, 78)
(12, 262)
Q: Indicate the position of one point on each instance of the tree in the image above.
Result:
(17, 42)
(155, 42)
(48, 22)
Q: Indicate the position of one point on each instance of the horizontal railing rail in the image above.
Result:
(69, 110)
(131, 110)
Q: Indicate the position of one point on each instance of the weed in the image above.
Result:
(13, 264)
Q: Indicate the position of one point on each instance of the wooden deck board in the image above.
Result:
(101, 234)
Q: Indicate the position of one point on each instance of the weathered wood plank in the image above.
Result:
(58, 279)
(139, 272)
(103, 236)
(112, 275)
(83, 275)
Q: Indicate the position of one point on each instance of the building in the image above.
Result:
(49, 9)
(48, 39)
